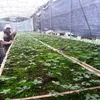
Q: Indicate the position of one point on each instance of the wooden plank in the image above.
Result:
(62, 93)
(83, 64)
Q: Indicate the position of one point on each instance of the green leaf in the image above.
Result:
(7, 99)
(47, 64)
(4, 78)
(56, 93)
(93, 98)
(56, 83)
(87, 96)
(35, 82)
(5, 91)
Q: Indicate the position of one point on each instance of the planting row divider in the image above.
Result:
(5, 58)
(62, 93)
(71, 39)
(51, 95)
(83, 64)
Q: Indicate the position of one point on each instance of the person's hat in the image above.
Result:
(7, 26)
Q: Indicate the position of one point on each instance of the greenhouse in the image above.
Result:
(50, 50)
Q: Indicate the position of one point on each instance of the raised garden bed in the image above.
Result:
(33, 69)
(89, 53)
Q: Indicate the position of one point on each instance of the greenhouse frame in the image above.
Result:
(50, 50)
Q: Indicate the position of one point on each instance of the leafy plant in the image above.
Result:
(33, 69)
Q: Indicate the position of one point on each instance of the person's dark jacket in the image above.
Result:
(8, 38)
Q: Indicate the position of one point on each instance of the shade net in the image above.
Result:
(81, 17)
(26, 25)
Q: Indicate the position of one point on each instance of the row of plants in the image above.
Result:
(33, 69)
(86, 52)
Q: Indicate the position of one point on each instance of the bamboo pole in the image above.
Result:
(83, 64)
(62, 93)
(5, 58)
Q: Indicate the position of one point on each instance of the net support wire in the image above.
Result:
(86, 19)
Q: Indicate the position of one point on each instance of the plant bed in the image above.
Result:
(89, 95)
(89, 53)
(33, 69)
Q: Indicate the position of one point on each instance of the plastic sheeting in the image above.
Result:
(81, 17)
(19, 8)
(26, 25)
